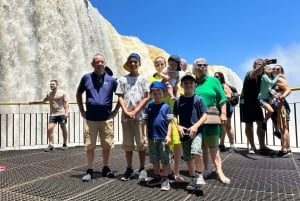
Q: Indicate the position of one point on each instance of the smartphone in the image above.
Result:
(272, 61)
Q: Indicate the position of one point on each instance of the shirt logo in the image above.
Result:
(182, 104)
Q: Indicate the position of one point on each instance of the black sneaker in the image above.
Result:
(222, 148)
(128, 174)
(277, 133)
(106, 172)
(155, 181)
(284, 154)
(88, 176)
(64, 147)
(49, 148)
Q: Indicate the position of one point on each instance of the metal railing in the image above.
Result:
(24, 126)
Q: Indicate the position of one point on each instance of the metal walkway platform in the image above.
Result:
(38, 175)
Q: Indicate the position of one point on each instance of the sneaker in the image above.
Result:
(199, 179)
(155, 181)
(232, 148)
(88, 176)
(222, 148)
(64, 147)
(128, 174)
(106, 172)
(143, 174)
(192, 185)
(207, 173)
(165, 185)
(251, 151)
(284, 154)
(49, 148)
(277, 133)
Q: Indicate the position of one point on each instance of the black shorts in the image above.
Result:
(250, 113)
(58, 119)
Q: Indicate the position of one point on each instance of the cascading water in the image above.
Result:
(43, 40)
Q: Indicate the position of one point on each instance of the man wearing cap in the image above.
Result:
(133, 92)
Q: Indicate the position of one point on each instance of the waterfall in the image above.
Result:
(56, 39)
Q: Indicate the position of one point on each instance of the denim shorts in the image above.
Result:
(191, 147)
(159, 151)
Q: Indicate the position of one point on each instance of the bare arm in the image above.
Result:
(39, 101)
(257, 71)
(80, 104)
(66, 107)
(227, 91)
(283, 85)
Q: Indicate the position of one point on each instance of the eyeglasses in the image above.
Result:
(201, 65)
(276, 69)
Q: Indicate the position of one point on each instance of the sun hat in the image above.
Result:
(134, 55)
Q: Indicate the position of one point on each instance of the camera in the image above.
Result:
(271, 61)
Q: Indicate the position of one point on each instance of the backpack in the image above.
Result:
(234, 96)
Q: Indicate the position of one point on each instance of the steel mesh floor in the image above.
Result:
(36, 175)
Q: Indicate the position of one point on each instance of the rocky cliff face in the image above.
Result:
(43, 40)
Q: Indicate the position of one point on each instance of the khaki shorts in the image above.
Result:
(102, 128)
(133, 130)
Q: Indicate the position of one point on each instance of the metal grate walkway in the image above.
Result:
(37, 175)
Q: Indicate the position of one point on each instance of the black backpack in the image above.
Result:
(234, 96)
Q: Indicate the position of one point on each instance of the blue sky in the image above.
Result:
(232, 33)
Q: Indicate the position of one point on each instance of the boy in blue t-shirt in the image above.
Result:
(190, 113)
(158, 122)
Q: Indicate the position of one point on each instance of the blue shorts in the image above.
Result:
(263, 102)
(159, 151)
(58, 119)
(191, 147)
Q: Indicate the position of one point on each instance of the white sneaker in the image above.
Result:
(87, 177)
(165, 185)
(232, 148)
(192, 185)
(143, 175)
(199, 179)
(251, 151)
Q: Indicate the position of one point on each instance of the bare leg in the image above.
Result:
(229, 131)
(249, 134)
(129, 155)
(105, 156)
(261, 135)
(177, 154)
(142, 157)
(50, 129)
(65, 132)
(215, 156)
(90, 158)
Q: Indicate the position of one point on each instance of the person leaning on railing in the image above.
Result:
(59, 112)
